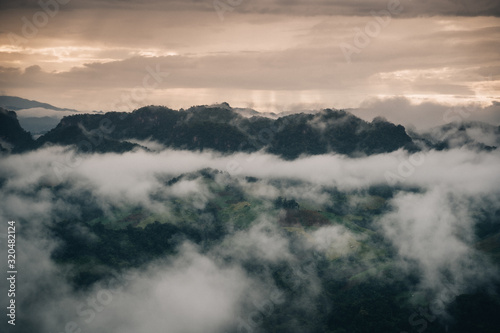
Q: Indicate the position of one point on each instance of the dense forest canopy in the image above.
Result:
(204, 220)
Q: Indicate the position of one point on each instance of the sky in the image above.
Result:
(272, 55)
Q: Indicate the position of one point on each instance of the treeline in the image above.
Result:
(223, 129)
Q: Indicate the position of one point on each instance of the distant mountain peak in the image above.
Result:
(17, 103)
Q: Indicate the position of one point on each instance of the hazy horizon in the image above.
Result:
(398, 57)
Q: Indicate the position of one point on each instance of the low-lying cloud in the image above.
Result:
(429, 221)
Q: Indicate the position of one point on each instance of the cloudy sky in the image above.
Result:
(272, 55)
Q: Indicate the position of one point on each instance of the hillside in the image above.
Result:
(222, 129)
(345, 249)
(339, 247)
(13, 138)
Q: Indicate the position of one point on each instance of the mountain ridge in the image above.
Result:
(17, 103)
(222, 129)
(227, 130)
